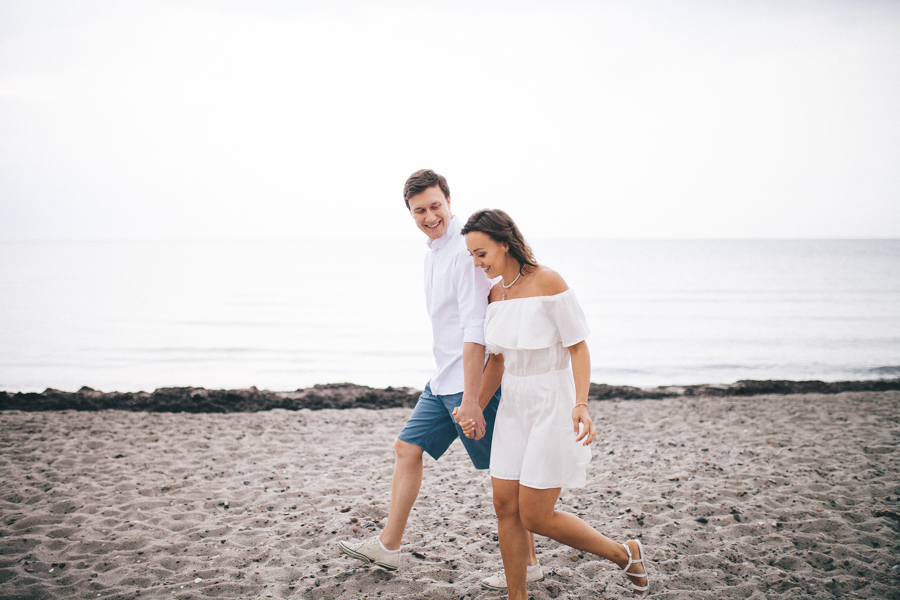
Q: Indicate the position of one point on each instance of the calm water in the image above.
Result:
(137, 316)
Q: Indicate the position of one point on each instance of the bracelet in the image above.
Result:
(579, 404)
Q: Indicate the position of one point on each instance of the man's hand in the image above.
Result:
(468, 412)
(468, 427)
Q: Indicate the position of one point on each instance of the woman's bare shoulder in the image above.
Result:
(495, 294)
(548, 282)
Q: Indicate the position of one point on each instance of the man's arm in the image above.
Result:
(490, 381)
(472, 289)
(473, 367)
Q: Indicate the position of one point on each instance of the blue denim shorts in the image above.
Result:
(431, 427)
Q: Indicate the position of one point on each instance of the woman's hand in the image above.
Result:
(587, 433)
(581, 371)
(468, 427)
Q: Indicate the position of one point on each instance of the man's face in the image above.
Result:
(431, 211)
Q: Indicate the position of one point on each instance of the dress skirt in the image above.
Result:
(534, 441)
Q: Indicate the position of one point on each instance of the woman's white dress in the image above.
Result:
(534, 441)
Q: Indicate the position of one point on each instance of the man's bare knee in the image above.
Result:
(406, 452)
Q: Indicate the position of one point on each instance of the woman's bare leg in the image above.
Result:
(538, 514)
(514, 538)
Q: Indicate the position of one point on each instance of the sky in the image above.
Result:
(271, 120)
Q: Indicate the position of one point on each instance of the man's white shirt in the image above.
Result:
(456, 295)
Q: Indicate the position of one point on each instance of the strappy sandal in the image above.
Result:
(644, 589)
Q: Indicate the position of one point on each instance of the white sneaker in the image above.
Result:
(498, 581)
(370, 550)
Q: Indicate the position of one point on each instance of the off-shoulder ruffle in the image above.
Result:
(535, 322)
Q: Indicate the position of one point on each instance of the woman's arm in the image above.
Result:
(581, 369)
(490, 381)
(548, 283)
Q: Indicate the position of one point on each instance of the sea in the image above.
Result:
(136, 316)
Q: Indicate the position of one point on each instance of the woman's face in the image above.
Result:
(488, 255)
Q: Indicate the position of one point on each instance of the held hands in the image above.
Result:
(582, 425)
(580, 416)
(472, 428)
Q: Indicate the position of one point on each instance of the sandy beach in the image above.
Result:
(772, 496)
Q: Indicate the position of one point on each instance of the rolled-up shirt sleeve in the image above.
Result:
(472, 290)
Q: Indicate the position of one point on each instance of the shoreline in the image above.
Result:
(349, 395)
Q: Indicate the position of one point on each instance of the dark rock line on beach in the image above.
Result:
(348, 395)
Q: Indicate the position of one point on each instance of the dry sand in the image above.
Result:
(761, 497)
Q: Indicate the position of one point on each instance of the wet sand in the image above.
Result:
(773, 496)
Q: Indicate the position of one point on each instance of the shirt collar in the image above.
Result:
(453, 229)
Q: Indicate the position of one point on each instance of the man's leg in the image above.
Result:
(404, 491)
(428, 429)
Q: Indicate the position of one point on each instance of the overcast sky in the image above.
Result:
(297, 120)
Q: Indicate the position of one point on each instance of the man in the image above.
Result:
(456, 295)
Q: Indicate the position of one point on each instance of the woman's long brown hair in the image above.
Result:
(500, 227)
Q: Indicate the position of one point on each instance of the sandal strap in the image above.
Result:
(633, 561)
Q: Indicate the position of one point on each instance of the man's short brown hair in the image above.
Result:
(420, 181)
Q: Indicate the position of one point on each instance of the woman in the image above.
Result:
(533, 327)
